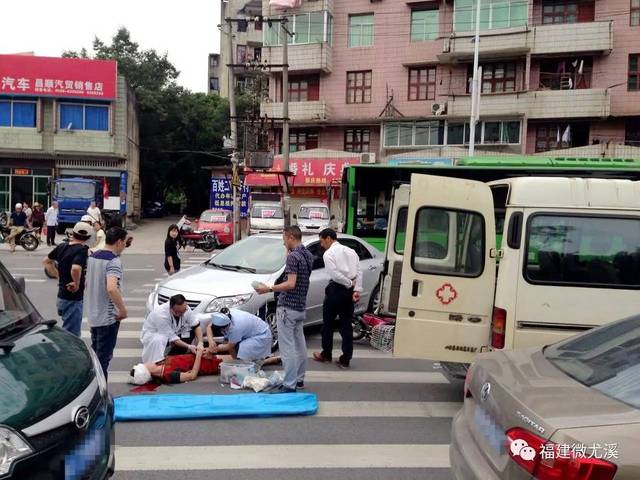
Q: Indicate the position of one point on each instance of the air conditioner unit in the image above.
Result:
(368, 158)
(439, 108)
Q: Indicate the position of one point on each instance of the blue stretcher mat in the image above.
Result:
(175, 406)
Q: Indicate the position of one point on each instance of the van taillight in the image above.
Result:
(569, 467)
(498, 326)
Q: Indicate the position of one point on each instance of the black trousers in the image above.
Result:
(51, 235)
(338, 302)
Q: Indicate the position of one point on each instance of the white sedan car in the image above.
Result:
(225, 279)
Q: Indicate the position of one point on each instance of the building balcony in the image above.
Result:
(540, 104)
(311, 57)
(570, 38)
(299, 112)
(314, 6)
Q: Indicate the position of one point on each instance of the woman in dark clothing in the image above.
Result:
(171, 257)
(37, 218)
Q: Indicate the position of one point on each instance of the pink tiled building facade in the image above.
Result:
(392, 77)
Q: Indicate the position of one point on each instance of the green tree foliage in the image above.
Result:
(180, 131)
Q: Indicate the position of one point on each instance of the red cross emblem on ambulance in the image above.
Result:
(446, 294)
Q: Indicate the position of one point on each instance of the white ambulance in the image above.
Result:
(569, 260)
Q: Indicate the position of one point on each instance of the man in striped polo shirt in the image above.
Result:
(103, 295)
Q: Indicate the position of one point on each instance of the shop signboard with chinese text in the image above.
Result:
(58, 77)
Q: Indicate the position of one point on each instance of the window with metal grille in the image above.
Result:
(496, 77)
(357, 140)
(634, 72)
(359, 87)
(422, 83)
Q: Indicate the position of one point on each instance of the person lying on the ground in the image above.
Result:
(177, 368)
(247, 336)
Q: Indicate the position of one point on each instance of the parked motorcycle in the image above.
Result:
(363, 325)
(205, 240)
(27, 239)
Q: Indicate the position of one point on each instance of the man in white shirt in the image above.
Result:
(170, 330)
(51, 218)
(342, 264)
(95, 213)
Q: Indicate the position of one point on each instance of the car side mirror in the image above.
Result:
(333, 217)
(21, 284)
(295, 216)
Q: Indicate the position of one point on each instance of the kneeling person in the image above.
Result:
(177, 368)
(247, 336)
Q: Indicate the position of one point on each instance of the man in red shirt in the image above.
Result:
(177, 368)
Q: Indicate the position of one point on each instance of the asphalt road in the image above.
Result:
(385, 418)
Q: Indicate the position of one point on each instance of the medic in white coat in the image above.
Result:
(170, 329)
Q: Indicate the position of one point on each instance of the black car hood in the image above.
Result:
(45, 371)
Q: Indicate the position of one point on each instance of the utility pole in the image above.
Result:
(235, 177)
(286, 200)
(475, 86)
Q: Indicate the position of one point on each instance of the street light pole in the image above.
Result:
(475, 86)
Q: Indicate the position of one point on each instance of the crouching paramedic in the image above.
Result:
(170, 330)
(177, 368)
(247, 336)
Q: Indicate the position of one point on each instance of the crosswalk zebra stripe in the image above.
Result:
(332, 376)
(237, 457)
(136, 353)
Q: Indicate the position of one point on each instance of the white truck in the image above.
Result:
(569, 258)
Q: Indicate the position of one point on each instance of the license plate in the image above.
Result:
(87, 454)
(489, 430)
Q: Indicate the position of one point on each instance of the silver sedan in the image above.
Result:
(225, 279)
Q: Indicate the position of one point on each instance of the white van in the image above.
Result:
(569, 260)
(266, 217)
(313, 217)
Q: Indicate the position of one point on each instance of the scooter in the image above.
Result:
(27, 239)
(364, 325)
(206, 240)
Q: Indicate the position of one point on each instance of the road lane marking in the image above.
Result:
(262, 457)
(135, 299)
(332, 376)
(388, 409)
(139, 269)
(134, 353)
(34, 280)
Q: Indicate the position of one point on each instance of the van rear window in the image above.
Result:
(590, 251)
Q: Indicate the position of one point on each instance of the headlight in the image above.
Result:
(12, 447)
(102, 382)
(229, 302)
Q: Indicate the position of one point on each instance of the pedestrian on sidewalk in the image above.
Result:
(17, 222)
(37, 219)
(105, 305)
(51, 219)
(171, 255)
(342, 264)
(29, 213)
(170, 329)
(291, 308)
(71, 267)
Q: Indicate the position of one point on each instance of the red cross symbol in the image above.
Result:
(446, 294)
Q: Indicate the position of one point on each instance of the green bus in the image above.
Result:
(367, 188)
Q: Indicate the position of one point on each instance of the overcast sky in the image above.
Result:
(186, 30)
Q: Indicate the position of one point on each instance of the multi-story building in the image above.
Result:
(393, 77)
(65, 117)
(246, 46)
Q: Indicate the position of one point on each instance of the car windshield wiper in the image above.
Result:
(235, 268)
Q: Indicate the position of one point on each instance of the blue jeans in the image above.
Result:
(103, 341)
(71, 313)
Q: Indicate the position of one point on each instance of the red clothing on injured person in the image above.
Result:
(176, 364)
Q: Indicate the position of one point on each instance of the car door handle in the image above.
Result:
(372, 267)
(415, 288)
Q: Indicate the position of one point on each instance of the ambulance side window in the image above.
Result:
(401, 230)
(448, 242)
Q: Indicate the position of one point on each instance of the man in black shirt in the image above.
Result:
(17, 223)
(71, 267)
